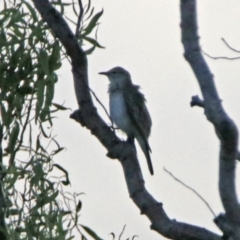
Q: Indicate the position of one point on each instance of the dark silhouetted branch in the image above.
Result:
(225, 128)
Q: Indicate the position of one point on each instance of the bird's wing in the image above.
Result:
(139, 116)
(137, 110)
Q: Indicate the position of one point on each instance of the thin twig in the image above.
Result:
(105, 110)
(122, 232)
(197, 101)
(217, 58)
(185, 185)
(233, 49)
(79, 18)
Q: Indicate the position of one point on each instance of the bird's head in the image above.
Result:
(118, 77)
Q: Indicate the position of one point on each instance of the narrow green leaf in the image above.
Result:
(90, 50)
(31, 10)
(58, 150)
(51, 198)
(40, 97)
(44, 113)
(25, 90)
(88, 6)
(43, 60)
(6, 15)
(93, 42)
(92, 24)
(17, 55)
(60, 107)
(55, 57)
(3, 38)
(15, 17)
(43, 132)
(3, 114)
(90, 14)
(18, 32)
(13, 137)
(13, 211)
(50, 90)
(67, 182)
(79, 206)
(91, 232)
(74, 8)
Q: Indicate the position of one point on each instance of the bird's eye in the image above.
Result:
(114, 72)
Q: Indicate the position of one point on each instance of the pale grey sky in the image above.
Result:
(145, 39)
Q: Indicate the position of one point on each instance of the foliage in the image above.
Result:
(35, 204)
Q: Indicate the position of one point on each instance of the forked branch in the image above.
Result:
(125, 152)
(225, 128)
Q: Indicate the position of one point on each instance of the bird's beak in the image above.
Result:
(103, 73)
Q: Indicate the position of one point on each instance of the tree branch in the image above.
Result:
(231, 48)
(225, 128)
(79, 18)
(87, 116)
(193, 190)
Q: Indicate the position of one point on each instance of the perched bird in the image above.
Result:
(128, 110)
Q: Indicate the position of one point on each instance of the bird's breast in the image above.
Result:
(118, 112)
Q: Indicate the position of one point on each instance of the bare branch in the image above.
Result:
(225, 128)
(79, 18)
(196, 101)
(223, 57)
(98, 100)
(122, 232)
(87, 115)
(217, 58)
(185, 185)
(233, 49)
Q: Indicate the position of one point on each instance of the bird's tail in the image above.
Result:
(143, 142)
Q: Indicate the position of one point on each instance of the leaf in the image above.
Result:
(60, 107)
(44, 60)
(18, 32)
(13, 211)
(90, 14)
(15, 17)
(90, 50)
(51, 198)
(58, 150)
(38, 144)
(74, 9)
(91, 232)
(40, 97)
(92, 24)
(14, 176)
(13, 137)
(43, 132)
(45, 112)
(79, 206)
(4, 114)
(32, 11)
(25, 90)
(54, 59)
(88, 6)
(67, 182)
(93, 42)
(50, 90)
(3, 39)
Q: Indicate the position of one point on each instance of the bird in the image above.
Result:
(128, 110)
